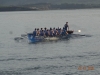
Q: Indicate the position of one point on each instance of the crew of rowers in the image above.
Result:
(51, 32)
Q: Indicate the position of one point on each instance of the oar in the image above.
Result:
(18, 38)
(24, 35)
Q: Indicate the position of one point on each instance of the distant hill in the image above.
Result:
(34, 5)
(24, 2)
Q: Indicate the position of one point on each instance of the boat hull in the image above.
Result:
(35, 39)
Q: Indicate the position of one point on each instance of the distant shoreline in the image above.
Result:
(46, 6)
(26, 9)
(16, 9)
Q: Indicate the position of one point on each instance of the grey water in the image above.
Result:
(50, 58)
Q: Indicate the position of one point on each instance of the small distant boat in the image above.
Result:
(36, 39)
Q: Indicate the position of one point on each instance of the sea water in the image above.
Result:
(71, 56)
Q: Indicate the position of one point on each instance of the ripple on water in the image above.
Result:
(16, 59)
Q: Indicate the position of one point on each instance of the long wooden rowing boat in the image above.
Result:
(35, 39)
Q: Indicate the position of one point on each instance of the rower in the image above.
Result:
(41, 33)
(66, 26)
(50, 32)
(59, 30)
(41, 29)
(63, 33)
(45, 32)
(45, 29)
(54, 32)
(34, 32)
(38, 32)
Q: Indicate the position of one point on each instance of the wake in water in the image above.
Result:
(79, 35)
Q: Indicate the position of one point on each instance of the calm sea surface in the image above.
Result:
(62, 57)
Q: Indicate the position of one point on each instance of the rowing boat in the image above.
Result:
(36, 39)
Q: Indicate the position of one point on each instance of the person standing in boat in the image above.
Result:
(66, 26)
